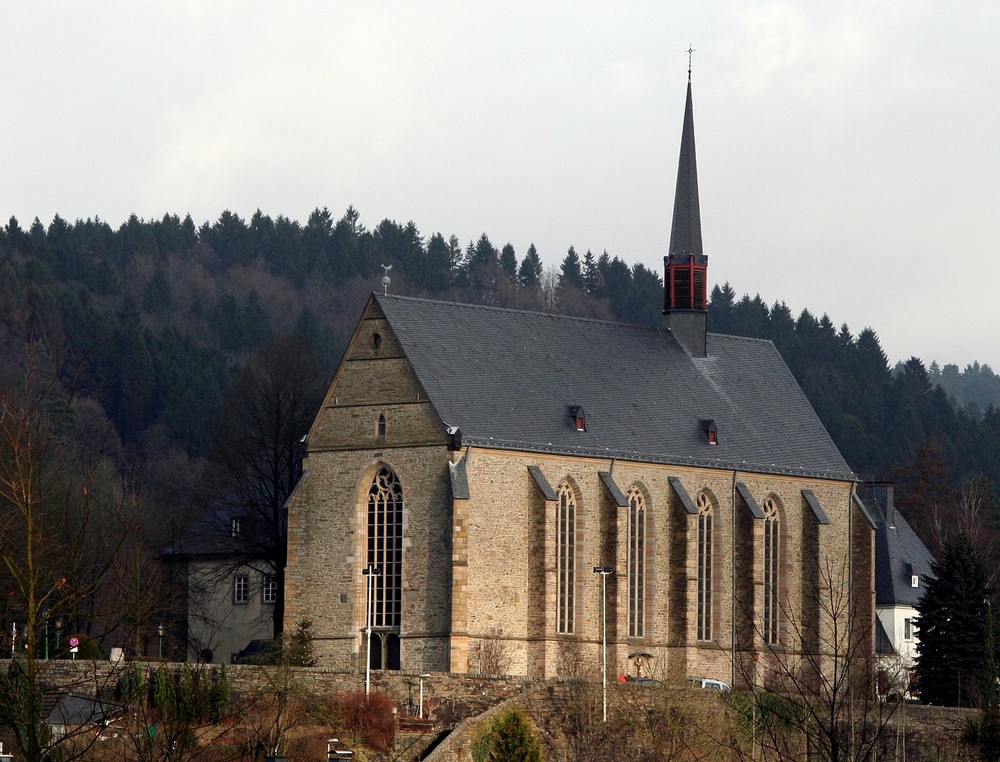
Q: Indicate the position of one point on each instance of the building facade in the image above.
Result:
(471, 468)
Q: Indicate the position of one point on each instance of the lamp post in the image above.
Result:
(422, 678)
(159, 631)
(604, 571)
(371, 571)
(45, 614)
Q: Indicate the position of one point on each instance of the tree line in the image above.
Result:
(159, 327)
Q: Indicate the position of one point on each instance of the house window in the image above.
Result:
(565, 558)
(381, 424)
(907, 629)
(241, 590)
(269, 589)
(705, 539)
(236, 526)
(771, 600)
(636, 563)
(385, 546)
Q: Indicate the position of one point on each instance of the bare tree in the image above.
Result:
(495, 656)
(257, 458)
(65, 516)
(814, 694)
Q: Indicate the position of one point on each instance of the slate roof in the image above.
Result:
(211, 536)
(899, 554)
(508, 379)
(73, 710)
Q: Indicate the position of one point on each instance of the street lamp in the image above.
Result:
(45, 613)
(604, 571)
(422, 678)
(159, 631)
(371, 571)
(59, 626)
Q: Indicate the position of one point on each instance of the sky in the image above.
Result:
(848, 151)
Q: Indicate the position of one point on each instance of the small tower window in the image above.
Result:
(381, 424)
(578, 416)
(376, 340)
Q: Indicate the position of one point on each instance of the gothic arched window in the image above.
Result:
(771, 558)
(566, 557)
(636, 563)
(706, 519)
(385, 546)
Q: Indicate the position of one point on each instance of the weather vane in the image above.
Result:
(385, 278)
(689, 51)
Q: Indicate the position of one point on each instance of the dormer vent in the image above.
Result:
(914, 580)
(710, 431)
(579, 417)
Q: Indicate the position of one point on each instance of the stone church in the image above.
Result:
(471, 468)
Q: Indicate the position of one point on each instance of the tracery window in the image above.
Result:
(706, 520)
(771, 557)
(636, 563)
(385, 546)
(566, 557)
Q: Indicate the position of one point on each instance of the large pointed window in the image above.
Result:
(566, 557)
(771, 577)
(706, 531)
(385, 546)
(636, 563)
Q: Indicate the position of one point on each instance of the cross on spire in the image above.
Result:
(689, 51)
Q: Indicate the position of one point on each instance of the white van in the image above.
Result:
(709, 683)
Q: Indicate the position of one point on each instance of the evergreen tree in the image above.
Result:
(508, 261)
(510, 738)
(591, 275)
(570, 271)
(438, 265)
(530, 272)
(952, 655)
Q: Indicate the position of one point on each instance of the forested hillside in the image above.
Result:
(152, 324)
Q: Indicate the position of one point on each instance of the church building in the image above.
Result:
(488, 489)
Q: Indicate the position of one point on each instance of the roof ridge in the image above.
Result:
(558, 315)
(514, 310)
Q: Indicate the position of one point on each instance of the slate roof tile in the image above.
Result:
(507, 376)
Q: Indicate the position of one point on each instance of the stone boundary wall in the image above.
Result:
(448, 698)
(464, 702)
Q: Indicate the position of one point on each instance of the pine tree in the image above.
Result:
(530, 272)
(952, 658)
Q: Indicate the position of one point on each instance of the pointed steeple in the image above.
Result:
(685, 297)
(685, 233)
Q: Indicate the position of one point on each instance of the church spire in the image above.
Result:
(685, 233)
(685, 298)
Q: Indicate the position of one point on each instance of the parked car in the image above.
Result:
(709, 684)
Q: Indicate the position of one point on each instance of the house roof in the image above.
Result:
(212, 536)
(73, 710)
(513, 379)
(899, 555)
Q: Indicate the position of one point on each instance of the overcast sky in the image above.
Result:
(848, 151)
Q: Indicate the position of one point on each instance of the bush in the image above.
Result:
(509, 737)
(369, 719)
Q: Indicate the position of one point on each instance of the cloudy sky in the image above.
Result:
(849, 151)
